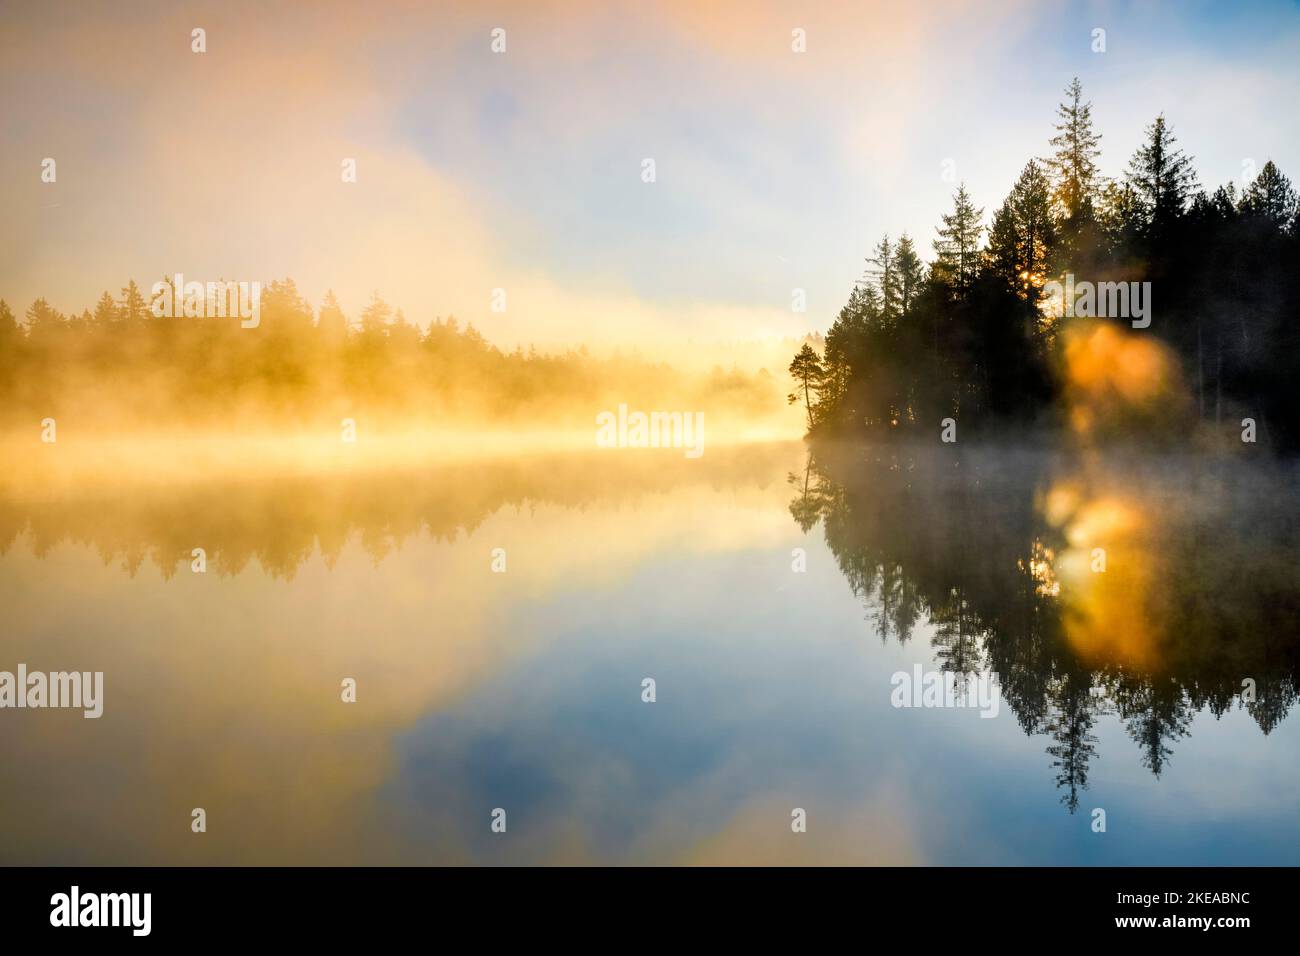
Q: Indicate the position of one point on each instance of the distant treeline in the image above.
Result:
(972, 336)
(121, 365)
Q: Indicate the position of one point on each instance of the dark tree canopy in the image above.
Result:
(973, 336)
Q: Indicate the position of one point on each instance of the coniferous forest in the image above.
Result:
(121, 366)
(975, 335)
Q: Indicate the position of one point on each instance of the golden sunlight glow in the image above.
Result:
(1108, 577)
(1115, 377)
(1041, 570)
(1104, 358)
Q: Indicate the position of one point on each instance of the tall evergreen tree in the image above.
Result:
(957, 247)
(106, 311)
(377, 316)
(885, 274)
(1162, 179)
(1022, 234)
(133, 306)
(911, 274)
(1073, 164)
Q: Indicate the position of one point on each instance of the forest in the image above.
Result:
(120, 366)
(976, 334)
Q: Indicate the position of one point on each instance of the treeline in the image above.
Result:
(973, 334)
(122, 366)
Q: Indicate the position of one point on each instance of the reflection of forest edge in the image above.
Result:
(282, 521)
(964, 540)
(1204, 571)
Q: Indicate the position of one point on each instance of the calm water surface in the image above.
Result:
(1119, 689)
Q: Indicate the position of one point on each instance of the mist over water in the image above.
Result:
(522, 688)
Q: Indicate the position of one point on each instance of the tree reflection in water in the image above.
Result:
(1146, 587)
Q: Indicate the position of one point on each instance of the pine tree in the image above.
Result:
(106, 311)
(1073, 165)
(1270, 198)
(885, 276)
(1162, 179)
(958, 244)
(911, 274)
(331, 321)
(808, 372)
(284, 310)
(133, 306)
(43, 319)
(1022, 234)
(377, 316)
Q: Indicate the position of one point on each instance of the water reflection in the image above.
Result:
(1146, 587)
(522, 689)
(223, 689)
(282, 522)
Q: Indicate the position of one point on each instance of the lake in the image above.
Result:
(1135, 616)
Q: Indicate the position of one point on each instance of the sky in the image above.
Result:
(522, 170)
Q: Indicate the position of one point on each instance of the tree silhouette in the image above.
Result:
(972, 337)
(1162, 179)
(1073, 164)
(1156, 712)
(132, 307)
(1074, 745)
(1023, 234)
(1271, 198)
(807, 371)
(957, 247)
